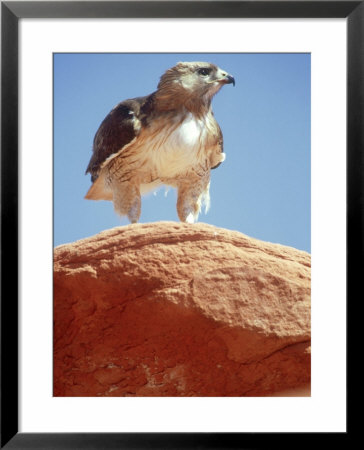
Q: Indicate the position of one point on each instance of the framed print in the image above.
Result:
(165, 372)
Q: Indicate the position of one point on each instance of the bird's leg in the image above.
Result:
(127, 200)
(191, 194)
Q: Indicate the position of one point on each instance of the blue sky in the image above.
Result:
(263, 187)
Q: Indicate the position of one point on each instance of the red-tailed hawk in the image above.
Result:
(169, 137)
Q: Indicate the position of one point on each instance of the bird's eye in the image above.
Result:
(204, 71)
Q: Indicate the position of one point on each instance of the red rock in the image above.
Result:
(172, 309)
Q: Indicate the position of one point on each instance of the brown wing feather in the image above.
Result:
(220, 143)
(116, 131)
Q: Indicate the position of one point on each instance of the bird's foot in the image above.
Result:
(190, 218)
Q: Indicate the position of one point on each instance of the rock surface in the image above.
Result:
(171, 309)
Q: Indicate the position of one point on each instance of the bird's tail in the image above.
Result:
(98, 192)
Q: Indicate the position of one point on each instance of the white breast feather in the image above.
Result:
(175, 150)
(166, 152)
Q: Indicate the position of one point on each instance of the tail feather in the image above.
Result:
(98, 192)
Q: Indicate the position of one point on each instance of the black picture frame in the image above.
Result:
(11, 12)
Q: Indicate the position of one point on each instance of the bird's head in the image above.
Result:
(200, 80)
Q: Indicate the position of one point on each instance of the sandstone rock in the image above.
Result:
(171, 309)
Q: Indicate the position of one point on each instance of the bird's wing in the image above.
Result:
(118, 129)
(220, 143)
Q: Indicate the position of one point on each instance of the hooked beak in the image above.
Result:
(230, 79)
(226, 79)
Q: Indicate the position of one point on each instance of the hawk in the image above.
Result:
(169, 137)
